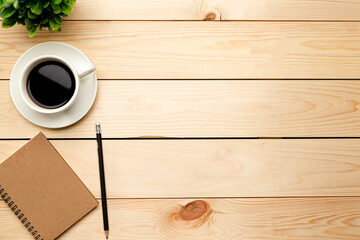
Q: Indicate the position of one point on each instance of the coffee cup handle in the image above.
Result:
(82, 73)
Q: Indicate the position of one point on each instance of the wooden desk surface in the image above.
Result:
(241, 129)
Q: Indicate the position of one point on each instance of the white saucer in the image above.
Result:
(87, 91)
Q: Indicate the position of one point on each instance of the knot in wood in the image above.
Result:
(194, 210)
(212, 14)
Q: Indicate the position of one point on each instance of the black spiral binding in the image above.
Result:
(19, 214)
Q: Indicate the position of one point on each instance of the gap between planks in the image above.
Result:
(224, 198)
(220, 21)
(180, 138)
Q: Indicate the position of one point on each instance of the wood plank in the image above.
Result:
(207, 109)
(227, 219)
(215, 168)
(203, 50)
(217, 10)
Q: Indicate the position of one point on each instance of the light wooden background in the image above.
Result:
(244, 111)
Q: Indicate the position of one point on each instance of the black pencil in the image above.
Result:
(102, 181)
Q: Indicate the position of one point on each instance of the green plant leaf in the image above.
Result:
(58, 19)
(6, 5)
(37, 9)
(29, 24)
(7, 12)
(31, 15)
(8, 22)
(56, 2)
(16, 4)
(66, 8)
(46, 4)
(32, 4)
(56, 8)
(35, 14)
(53, 24)
(22, 10)
(21, 21)
(32, 32)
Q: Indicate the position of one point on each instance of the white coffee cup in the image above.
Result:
(77, 73)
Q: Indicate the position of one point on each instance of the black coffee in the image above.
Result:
(51, 84)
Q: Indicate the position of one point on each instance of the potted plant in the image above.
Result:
(35, 14)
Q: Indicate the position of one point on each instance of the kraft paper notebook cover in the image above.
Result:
(42, 190)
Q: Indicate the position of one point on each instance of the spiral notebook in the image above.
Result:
(42, 190)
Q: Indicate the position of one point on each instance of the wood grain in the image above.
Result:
(214, 168)
(317, 181)
(216, 10)
(207, 109)
(270, 219)
(203, 50)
